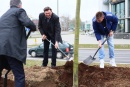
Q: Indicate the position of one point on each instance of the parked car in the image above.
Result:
(65, 47)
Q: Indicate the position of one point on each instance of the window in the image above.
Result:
(119, 10)
(121, 26)
(41, 46)
(129, 8)
(88, 26)
(114, 9)
(122, 10)
(129, 26)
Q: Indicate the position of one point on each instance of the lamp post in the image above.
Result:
(58, 7)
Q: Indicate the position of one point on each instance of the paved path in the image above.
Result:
(83, 39)
(121, 56)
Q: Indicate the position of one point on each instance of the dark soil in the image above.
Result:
(62, 76)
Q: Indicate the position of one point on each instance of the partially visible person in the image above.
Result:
(13, 44)
(49, 27)
(104, 25)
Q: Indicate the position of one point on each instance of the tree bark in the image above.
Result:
(76, 45)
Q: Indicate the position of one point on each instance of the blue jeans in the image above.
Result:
(17, 68)
(110, 46)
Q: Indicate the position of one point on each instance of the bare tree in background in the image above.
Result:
(65, 22)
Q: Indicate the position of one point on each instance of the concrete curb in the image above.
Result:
(97, 48)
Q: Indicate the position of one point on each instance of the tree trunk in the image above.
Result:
(76, 45)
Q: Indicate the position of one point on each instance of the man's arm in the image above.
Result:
(25, 20)
(114, 21)
(96, 31)
(97, 34)
(57, 29)
(40, 24)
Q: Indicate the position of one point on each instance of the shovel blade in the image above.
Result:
(89, 60)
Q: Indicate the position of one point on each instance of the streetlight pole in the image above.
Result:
(58, 7)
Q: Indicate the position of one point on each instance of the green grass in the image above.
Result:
(39, 63)
(117, 46)
(60, 63)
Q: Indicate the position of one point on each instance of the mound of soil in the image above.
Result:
(62, 76)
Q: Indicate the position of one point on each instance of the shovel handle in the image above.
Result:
(100, 47)
(58, 48)
(5, 78)
(28, 34)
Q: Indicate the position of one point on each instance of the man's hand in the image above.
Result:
(43, 37)
(111, 33)
(56, 45)
(100, 43)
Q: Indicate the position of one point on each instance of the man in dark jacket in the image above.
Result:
(13, 45)
(49, 28)
(104, 25)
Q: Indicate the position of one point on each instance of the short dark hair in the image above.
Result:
(47, 8)
(99, 15)
(15, 2)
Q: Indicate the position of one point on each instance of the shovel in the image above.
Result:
(67, 57)
(5, 78)
(90, 59)
(28, 34)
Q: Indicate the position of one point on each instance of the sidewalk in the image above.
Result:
(83, 39)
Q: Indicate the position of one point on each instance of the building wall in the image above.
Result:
(88, 25)
(121, 8)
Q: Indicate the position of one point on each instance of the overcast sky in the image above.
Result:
(66, 7)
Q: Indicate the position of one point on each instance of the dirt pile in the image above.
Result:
(62, 76)
(93, 76)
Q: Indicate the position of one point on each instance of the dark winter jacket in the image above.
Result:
(51, 28)
(111, 24)
(12, 33)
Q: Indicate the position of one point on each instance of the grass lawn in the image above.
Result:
(60, 63)
(117, 46)
(39, 63)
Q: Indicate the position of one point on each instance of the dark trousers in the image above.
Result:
(46, 49)
(17, 68)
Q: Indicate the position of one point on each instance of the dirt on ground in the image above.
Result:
(62, 76)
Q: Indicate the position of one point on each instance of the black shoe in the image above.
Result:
(52, 66)
(43, 66)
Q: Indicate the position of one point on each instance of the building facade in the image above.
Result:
(121, 8)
